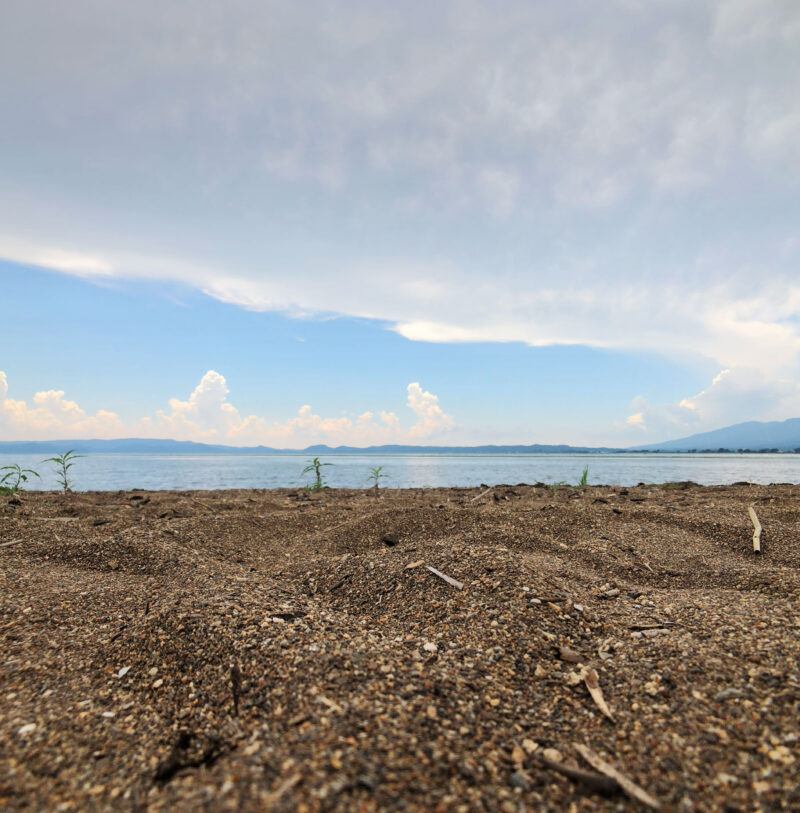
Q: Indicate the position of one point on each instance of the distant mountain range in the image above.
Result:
(156, 446)
(753, 436)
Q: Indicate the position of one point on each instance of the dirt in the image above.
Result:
(259, 650)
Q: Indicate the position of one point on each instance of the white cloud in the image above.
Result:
(51, 417)
(734, 395)
(55, 259)
(431, 418)
(613, 174)
(207, 416)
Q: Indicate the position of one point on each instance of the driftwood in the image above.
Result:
(756, 530)
(629, 786)
(594, 781)
(447, 578)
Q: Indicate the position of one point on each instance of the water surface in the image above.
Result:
(112, 472)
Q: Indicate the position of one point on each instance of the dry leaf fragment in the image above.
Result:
(629, 786)
(593, 685)
(412, 565)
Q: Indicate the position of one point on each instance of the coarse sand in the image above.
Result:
(278, 650)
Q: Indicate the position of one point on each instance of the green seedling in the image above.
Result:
(375, 475)
(63, 463)
(584, 478)
(316, 466)
(11, 482)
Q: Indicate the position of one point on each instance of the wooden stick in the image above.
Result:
(448, 579)
(756, 531)
(12, 542)
(482, 494)
(631, 788)
(594, 781)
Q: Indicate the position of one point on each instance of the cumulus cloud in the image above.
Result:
(734, 395)
(620, 174)
(51, 416)
(207, 416)
(430, 417)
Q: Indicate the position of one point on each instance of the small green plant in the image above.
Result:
(315, 466)
(63, 463)
(11, 482)
(582, 483)
(375, 475)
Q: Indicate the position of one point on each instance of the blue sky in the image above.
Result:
(396, 223)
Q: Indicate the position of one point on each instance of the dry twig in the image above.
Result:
(448, 579)
(629, 786)
(594, 781)
(756, 530)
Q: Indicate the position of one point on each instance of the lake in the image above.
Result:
(154, 472)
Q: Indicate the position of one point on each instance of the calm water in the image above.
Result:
(111, 472)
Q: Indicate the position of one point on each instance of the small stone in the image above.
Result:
(124, 671)
(530, 746)
(553, 754)
(158, 683)
(109, 714)
(367, 783)
(26, 729)
(520, 781)
(430, 712)
(429, 646)
(153, 672)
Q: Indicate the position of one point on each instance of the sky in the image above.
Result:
(372, 222)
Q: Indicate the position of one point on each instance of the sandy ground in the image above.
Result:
(256, 650)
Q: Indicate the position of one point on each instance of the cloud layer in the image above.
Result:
(207, 416)
(736, 395)
(621, 174)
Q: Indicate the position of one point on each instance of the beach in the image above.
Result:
(303, 651)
